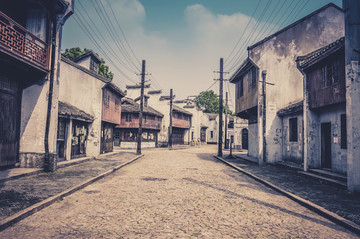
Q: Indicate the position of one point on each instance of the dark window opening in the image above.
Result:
(330, 74)
(293, 130)
(240, 87)
(212, 134)
(343, 132)
(128, 117)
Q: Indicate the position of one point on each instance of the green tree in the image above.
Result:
(208, 102)
(75, 52)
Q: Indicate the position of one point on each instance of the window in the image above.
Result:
(212, 134)
(251, 78)
(117, 104)
(128, 117)
(93, 66)
(330, 74)
(293, 130)
(343, 131)
(106, 99)
(240, 88)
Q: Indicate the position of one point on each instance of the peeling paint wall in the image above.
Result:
(291, 150)
(83, 91)
(278, 54)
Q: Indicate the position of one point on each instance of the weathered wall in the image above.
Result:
(85, 62)
(338, 155)
(253, 140)
(83, 91)
(278, 54)
(291, 150)
(110, 113)
(352, 69)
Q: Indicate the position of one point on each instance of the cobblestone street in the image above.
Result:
(176, 194)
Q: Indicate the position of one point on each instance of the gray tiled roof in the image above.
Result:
(179, 109)
(294, 107)
(315, 56)
(70, 111)
(129, 105)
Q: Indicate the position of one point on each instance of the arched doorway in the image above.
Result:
(244, 139)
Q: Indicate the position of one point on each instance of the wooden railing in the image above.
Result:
(16, 39)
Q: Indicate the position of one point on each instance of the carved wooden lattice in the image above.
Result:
(17, 39)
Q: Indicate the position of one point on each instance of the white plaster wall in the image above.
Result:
(85, 62)
(338, 155)
(291, 151)
(83, 91)
(277, 56)
(253, 140)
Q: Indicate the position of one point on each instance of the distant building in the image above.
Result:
(127, 131)
(274, 57)
(111, 115)
(30, 36)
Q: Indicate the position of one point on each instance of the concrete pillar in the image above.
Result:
(352, 71)
(68, 138)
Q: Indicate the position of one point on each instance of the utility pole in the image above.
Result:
(221, 108)
(139, 136)
(263, 158)
(170, 126)
(226, 120)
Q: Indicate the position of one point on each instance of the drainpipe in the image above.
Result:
(50, 160)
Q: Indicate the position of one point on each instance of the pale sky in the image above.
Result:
(182, 41)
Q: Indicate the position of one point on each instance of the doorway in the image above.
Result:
(326, 145)
(244, 139)
(116, 137)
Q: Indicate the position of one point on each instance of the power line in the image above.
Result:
(98, 33)
(247, 25)
(83, 27)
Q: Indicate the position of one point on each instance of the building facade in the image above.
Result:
(325, 107)
(30, 39)
(272, 61)
(81, 92)
(111, 115)
(126, 133)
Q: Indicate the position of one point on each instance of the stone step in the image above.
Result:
(329, 174)
(325, 179)
(289, 165)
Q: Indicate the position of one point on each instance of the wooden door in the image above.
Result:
(9, 121)
(326, 145)
(244, 139)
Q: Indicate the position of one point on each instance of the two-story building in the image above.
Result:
(89, 109)
(269, 81)
(127, 131)
(325, 107)
(30, 36)
(111, 115)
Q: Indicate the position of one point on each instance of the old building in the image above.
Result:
(160, 102)
(81, 109)
(30, 36)
(272, 60)
(325, 108)
(111, 115)
(127, 131)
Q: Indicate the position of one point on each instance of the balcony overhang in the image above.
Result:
(22, 49)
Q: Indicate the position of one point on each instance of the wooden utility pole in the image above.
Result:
(139, 136)
(221, 108)
(226, 120)
(263, 116)
(170, 126)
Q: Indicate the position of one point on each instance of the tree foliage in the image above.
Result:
(208, 102)
(75, 52)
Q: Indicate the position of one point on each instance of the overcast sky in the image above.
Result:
(182, 41)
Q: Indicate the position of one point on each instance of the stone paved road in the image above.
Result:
(176, 194)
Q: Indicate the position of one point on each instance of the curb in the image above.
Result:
(7, 222)
(313, 207)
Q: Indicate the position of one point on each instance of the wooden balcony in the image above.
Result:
(181, 123)
(22, 45)
(149, 124)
